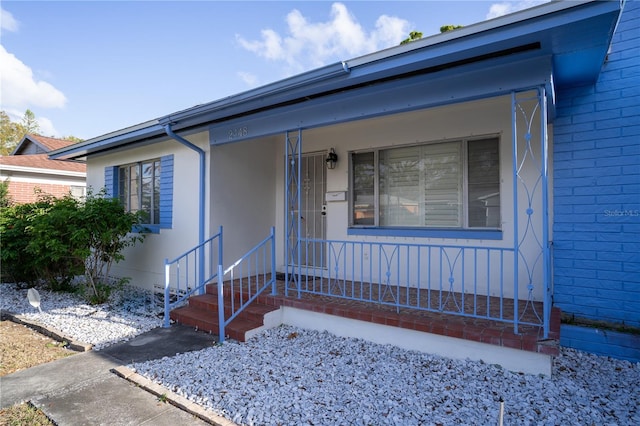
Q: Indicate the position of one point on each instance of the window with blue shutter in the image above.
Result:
(145, 187)
(111, 181)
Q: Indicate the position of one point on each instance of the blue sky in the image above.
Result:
(86, 68)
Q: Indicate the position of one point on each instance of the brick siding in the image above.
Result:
(596, 170)
(24, 192)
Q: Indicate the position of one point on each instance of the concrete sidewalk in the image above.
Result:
(84, 389)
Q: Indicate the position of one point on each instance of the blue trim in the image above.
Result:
(390, 97)
(130, 135)
(557, 27)
(166, 191)
(428, 233)
(601, 341)
(111, 181)
(146, 229)
(516, 226)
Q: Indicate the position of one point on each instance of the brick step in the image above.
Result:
(244, 295)
(202, 313)
(475, 329)
(209, 302)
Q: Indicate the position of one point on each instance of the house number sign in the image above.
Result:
(238, 132)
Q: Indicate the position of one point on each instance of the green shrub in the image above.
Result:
(105, 234)
(52, 241)
(5, 198)
(15, 223)
(57, 239)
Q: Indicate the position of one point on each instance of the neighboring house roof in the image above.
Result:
(31, 156)
(36, 144)
(42, 163)
(557, 44)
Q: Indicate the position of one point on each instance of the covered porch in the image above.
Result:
(496, 84)
(320, 253)
(489, 288)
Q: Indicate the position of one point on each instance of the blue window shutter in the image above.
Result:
(111, 181)
(166, 191)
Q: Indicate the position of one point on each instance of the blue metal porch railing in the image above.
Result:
(247, 278)
(191, 272)
(459, 280)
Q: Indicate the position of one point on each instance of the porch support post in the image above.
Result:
(221, 320)
(516, 210)
(293, 207)
(531, 261)
(274, 289)
(546, 242)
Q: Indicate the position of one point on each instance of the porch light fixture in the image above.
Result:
(332, 159)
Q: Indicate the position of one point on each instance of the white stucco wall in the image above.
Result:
(243, 184)
(479, 118)
(144, 263)
(246, 189)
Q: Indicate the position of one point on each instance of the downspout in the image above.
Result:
(201, 201)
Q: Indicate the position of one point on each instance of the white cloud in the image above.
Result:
(249, 79)
(8, 22)
(313, 44)
(20, 89)
(46, 127)
(506, 7)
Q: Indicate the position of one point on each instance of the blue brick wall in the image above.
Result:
(596, 171)
(601, 342)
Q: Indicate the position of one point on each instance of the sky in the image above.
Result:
(87, 68)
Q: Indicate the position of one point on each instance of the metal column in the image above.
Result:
(293, 201)
(531, 204)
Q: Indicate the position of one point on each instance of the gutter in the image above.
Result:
(201, 208)
(264, 95)
(143, 131)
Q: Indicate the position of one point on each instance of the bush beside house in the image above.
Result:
(56, 239)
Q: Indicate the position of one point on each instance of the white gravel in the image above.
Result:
(130, 312)
(290, 376)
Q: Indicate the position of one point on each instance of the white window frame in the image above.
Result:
(125, 193)
(464, 188)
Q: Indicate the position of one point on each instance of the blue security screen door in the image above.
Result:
(313, 182)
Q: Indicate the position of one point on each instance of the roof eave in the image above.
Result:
(442, 49)
(147, 130)
(450, 47)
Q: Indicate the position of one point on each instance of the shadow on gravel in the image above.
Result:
(159, 343)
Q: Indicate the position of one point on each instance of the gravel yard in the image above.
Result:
(293, 376)
(131, 312)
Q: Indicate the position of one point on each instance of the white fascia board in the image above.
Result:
(39, 171)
